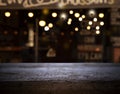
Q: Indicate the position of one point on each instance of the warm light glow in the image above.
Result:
(69, 21)
(31, 37)
(97, 32)
(62, 34)
(76, 29)
(63, 16)
(54, 14)
(90, 23)
(46, 28)
(77, 15)
(71, 11)
(95, 19)
(7, 14)
(80, 19)
(88, 27)
(101, 23)
(97, 49)
(83, 16)
(92, 13)
(31, 44)
(30, 14)
(42, 23)
(101, 15)
(45, 11)
(50, 25)
(97, 27)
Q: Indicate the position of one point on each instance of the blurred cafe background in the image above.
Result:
(59, 31)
